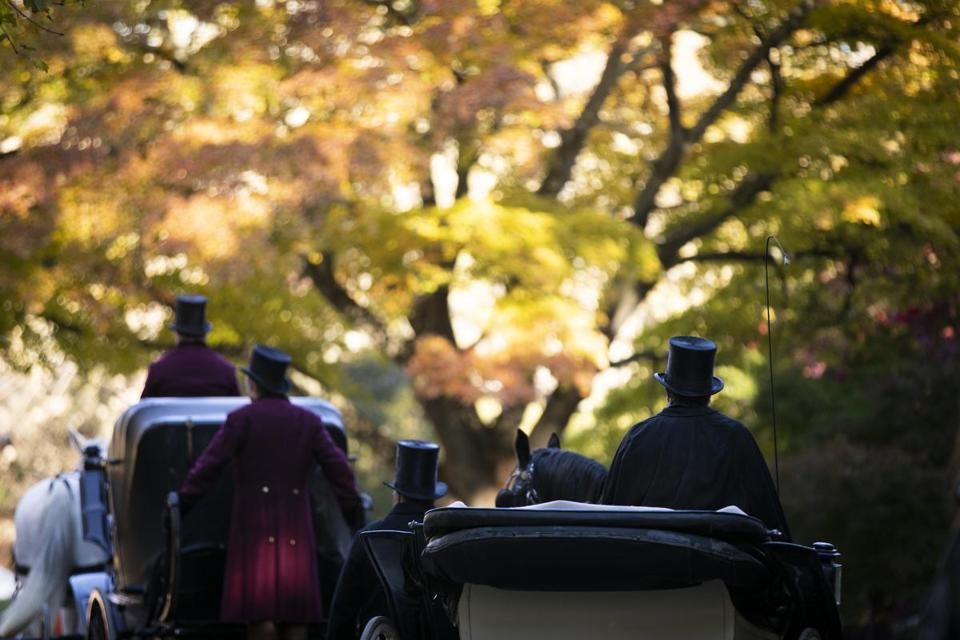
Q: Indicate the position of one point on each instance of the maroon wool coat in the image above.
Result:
(190, 370)
(271, 568)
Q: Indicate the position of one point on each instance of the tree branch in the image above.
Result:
(669, 160)
(755, 183)
(467, 154)
(776, 91)
(431, 315)
(746, 192)
(755, 256)
(545, 68)
(561, 404)
(620, 305)
(677, 133)
(650, 356)
(510, 417)
(31, 20)
(13, 45)
(840, 89)
(324, 279)
(776, 78)
(572, 140)
(742, 76)
(752, 185)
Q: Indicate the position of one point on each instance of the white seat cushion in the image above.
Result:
(703, 612)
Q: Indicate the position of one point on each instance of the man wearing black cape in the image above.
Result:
(690, 456)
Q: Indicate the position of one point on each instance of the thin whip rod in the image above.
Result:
(773, 400)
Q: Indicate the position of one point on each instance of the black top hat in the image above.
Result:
(268, 368)
(416, 471)
(190, 320)
(690, 367)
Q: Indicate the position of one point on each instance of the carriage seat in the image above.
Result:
(564, 546)
(700, 612)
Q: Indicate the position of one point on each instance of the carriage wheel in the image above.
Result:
(380, 628)
(97, 625)
(100, 626)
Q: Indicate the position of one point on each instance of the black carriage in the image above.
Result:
(166, 576)
(567, 570)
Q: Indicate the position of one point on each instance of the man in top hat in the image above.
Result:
(191, 369)
(271, 579)
(690, 456)
(359, 596)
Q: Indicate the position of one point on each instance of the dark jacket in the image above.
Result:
(190, 370)
(271, 566)
(693, 457)
(359, 596)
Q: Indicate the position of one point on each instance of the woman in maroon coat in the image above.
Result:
(271, 580)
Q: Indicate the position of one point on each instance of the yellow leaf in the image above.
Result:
(863, 210)
(488, 7)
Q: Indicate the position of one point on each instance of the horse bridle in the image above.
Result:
(516, 481)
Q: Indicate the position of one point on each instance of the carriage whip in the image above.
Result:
(773, 401)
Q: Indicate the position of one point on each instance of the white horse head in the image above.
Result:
(49, 544)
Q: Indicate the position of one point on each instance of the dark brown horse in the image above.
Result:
(551, 474)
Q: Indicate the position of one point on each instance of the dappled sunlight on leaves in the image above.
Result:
(212, 229)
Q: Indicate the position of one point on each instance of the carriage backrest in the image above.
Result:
(154, 444)
(575, 570)
(692, 613)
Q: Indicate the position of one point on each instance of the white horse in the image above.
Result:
(49, 546)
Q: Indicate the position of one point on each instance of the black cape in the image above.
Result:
(693, 457)
(359, 595)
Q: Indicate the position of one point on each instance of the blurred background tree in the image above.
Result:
(469, 216)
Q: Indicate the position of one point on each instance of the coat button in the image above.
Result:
(271, 539)
(293, 542)
(266, 489)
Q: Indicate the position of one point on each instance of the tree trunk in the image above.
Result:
(474, 455)
(560, 408)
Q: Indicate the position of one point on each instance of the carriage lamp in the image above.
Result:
(830, 563)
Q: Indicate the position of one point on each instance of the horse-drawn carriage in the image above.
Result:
(551, 568)
(163, 573)
(554, 570)
(574, 570)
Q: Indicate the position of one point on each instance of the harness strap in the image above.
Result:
(24, 570)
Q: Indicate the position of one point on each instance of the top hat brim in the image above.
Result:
(439, 491)
(192, 331)
(282, 388)
(716, 386)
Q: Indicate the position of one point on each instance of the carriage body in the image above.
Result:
(167, 570)
(569, 570)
